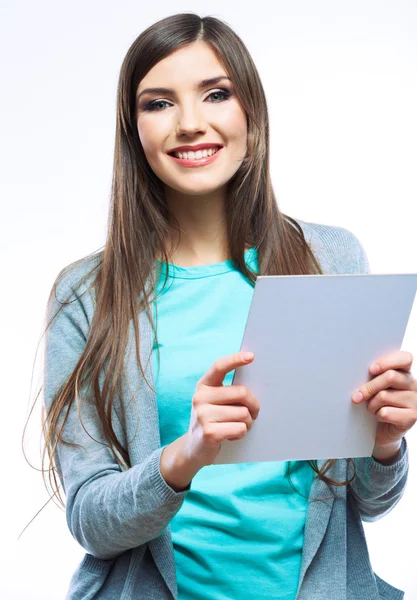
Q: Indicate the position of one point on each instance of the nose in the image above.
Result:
(191, 121)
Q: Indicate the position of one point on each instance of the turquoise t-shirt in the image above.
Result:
(240, 530)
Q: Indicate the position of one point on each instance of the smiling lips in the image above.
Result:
(198, 158)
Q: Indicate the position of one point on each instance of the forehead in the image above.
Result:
(184, 66)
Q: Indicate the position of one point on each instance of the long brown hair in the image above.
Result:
(123, 274)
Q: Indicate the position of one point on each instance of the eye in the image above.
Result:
(153, 105)
(158, 105)
(222, 92)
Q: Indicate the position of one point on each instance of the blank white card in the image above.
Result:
(314, 338)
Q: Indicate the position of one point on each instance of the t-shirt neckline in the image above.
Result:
(199, 271)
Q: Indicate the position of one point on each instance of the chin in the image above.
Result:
(196, 190)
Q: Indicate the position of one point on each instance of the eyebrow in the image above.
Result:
(204, 83)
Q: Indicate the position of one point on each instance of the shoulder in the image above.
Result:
(338, 249)
(78, 276)
(72, 290)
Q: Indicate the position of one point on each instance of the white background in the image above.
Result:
(341, 84)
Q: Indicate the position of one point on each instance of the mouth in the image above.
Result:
(198, 158)
(198, 155)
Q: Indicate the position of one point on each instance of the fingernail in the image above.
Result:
(375, 368)
(357, 397)
(247, 355)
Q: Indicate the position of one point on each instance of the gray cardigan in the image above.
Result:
(121, 516)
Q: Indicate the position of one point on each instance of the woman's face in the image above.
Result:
(190, 112)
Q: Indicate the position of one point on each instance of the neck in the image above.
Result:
(202, 235)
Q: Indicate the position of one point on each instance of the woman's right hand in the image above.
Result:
(218, 413)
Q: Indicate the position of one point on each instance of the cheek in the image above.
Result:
(151, 135)
(236, 127)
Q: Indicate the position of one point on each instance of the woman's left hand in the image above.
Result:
(392, 397)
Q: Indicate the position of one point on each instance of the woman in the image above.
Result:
(145, 333)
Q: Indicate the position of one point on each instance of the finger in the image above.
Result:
(390, 379)
(229, 394)
(218, 370)
(397, 399)
(216, 433)
(395, 360)
(226, 414)
(402, 418)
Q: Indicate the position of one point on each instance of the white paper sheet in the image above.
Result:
(314, 338)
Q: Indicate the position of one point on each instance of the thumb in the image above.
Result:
(217, 372)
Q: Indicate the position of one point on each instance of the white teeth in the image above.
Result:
(197, 155)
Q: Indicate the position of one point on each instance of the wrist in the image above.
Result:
(175, 467)
(388, 454)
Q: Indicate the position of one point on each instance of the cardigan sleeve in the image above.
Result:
(377, 488)
(108, 509)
